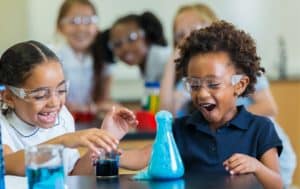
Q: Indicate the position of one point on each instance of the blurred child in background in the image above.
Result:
(173, 97)
(139, 40)
(83, 65)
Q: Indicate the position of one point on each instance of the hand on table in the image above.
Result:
(241, 164)
(94, 139)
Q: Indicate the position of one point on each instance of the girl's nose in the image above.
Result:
(81, 27)
(54, 100)
(125, 46)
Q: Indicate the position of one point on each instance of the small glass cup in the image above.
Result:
(107, 165)
(44, 167)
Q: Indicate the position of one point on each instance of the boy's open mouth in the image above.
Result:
(208, 106)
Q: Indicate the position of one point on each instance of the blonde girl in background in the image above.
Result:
(187, 19)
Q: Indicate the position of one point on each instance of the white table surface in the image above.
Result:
(15, 182)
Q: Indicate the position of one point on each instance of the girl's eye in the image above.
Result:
(213, 85)
(133, 36)
(117, 44)
(38, 95)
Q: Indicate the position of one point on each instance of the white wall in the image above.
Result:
(265, 20)
(13, 22)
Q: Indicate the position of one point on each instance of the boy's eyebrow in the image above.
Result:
(208, 77)
(62, 82)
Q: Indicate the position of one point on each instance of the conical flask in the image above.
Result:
(165, 160)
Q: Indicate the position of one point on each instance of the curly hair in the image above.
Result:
(222, 36)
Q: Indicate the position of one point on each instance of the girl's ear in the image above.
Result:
(7, 97)
(241, 86)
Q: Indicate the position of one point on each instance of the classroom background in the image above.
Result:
(274, 24)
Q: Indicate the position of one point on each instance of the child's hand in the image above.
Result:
(94, 156)
(241, 164)
(118, 121)
(92, 139)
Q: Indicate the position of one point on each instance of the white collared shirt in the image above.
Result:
(19, 135)
(79, 70)
(157, 58)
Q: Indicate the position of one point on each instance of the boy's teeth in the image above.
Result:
(206, 105)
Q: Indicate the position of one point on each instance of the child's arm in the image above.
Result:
(264, 103)
(93, 139)
(118, 121)
(266, 170)
(90, 138)
(136, 159)
(84, 166)
(130, 159)
(14, 161)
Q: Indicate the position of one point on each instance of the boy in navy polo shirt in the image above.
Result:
(220, 64)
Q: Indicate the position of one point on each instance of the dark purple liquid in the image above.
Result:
(107, 168)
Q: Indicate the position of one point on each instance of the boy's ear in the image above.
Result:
(7, 97)
(241, 86)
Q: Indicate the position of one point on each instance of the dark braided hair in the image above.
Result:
(223, 37)
(102, 57)
(18, 61)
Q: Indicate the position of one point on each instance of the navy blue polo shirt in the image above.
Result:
(204, 150)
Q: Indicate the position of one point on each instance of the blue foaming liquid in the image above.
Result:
(45, 177)
(165, 160)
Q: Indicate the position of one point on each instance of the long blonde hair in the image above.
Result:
(66, 6)
(204, 11)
